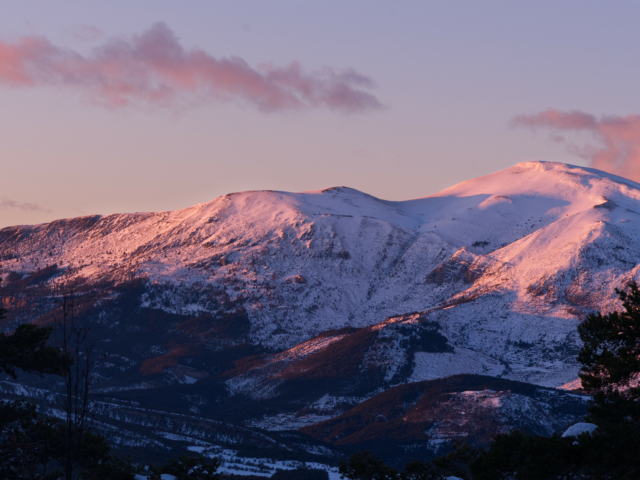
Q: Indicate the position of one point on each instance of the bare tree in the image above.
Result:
(77, 368)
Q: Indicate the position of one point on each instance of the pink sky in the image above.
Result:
(147, 106)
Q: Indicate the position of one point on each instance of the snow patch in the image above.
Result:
(578, 429)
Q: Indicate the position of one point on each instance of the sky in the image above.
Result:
(155, 105)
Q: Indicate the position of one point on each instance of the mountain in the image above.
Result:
(418, 419)
(276, 310)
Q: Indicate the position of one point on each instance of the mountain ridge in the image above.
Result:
(283, 242)
(289, 309)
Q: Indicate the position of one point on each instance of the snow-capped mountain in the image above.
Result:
(264, 293)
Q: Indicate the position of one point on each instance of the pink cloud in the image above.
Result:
(153, 69)
(617, 147)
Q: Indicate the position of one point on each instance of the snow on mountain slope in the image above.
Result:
(505, 263)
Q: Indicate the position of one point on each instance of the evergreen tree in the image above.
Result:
(611, 366)
(610, 356)
(26, 349)
(365, 466)
(418, 470)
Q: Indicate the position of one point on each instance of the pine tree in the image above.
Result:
(611, 352)
(365, 466)
(611, 366)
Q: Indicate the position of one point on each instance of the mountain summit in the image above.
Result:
(282, 310)
(508, 262)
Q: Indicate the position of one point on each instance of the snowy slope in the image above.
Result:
(506, 264)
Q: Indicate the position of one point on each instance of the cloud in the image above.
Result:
(6, 203)
(153, 69)
(617, 139)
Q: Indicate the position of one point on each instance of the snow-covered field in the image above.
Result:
(264, 467)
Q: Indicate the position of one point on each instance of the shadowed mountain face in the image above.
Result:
(418, 419)
(277, 310)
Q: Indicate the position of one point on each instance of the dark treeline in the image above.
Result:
(610, 359)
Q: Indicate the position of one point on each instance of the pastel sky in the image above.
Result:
(153, 105)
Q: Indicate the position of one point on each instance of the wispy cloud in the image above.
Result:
(5, 203)
(154, 69)
(616, 140)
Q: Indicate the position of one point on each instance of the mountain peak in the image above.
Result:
(522, 253)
